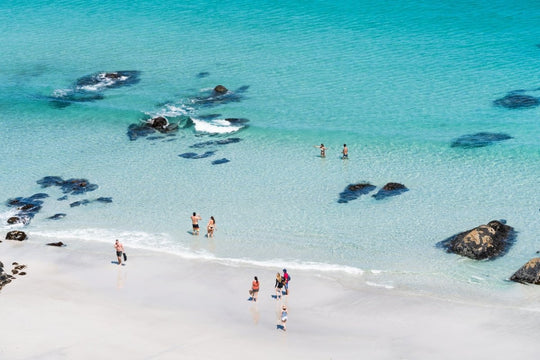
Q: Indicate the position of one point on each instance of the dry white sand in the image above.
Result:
(74, 303)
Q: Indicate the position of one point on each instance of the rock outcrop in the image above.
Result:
(16, 235)
(528, 273)
(390, 189)
(483, 242)
(354, 191)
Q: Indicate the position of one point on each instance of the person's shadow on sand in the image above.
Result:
(280, 327)
(116, 262)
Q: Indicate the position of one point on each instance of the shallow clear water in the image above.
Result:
(396, 82)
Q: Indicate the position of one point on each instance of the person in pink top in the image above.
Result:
(119, 250)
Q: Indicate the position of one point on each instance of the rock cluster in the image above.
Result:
(91, 87)
(354, 191)
(6, 278)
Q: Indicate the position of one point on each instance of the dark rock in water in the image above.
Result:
(150, 126)
(479, 140)
(158, 122)
(62, 198)
(215, 142)
(108, 80)
(237, 120)
(59, 244)
(80, 202)
(14, 271)
(242, 89)
(528, 273)
(14, 220)
(209, 116)
(191, 155)
(517, 101)
(65, 99)
(203, 74)
(77, 186)
(22, 273)
(483, 242)
(354, 191)
(155, 138)
(39, 196)
(220, 95)
(390, 189)
(16, 235)
(220, 161)
(104, 199)
(135, 131)
(220, 89)
(27, 208)
(57, 216)
(48, 181)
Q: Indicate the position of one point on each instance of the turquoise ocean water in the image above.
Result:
(397, 82)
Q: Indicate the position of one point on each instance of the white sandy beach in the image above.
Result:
(75, 303)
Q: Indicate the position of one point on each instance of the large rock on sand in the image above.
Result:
(16, 235)
(483, 242)
(528, 273)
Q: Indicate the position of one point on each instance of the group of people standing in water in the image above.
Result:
(282, 282)
(344, 152)
(210, 227)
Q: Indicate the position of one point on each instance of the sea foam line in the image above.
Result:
(162, 242)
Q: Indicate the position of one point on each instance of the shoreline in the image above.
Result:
(76, 303)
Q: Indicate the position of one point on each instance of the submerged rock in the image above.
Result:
(220, 95)
(215, 142)
(16, 235)
(107, 80)
(483, 242)
(220, 161)
(159, 124)
(191, 155)
(480, 139)
(528, 273)
(354, 191)
(517, 101)
(390, 189)
(57, 216)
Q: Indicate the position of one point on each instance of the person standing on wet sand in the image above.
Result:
(195, 223)
(211, 227)
(119, 250)
(323, 149)
(254, 292)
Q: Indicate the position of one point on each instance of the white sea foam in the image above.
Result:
(218, 126)
(370, 283)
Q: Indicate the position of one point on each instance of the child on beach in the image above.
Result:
(284, 318)
(254, 289)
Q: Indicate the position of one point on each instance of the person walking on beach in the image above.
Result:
(211, 227)
(323, 149)
(278, 285)
(283, 318)
(119, 250)
(195, 223)
(286, 279)
(345, 152)
(254, 292)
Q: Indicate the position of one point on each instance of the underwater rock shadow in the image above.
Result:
(354, 191)
(480, 139)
